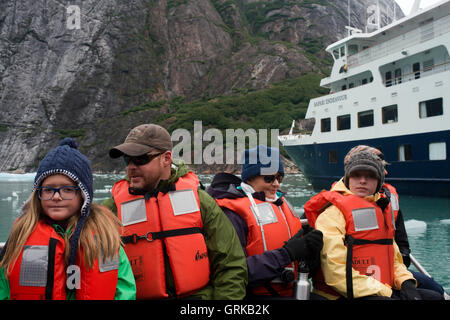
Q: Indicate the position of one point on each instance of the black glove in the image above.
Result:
(304, 247)
(406, 260)
(409, 291)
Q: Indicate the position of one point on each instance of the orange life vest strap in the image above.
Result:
(150, 236)
(350, 242)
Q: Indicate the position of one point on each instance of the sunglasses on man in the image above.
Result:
(140, 160)
(271, 178)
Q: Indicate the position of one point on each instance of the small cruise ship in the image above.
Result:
(389, 89)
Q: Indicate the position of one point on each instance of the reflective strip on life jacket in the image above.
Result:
(391, 193)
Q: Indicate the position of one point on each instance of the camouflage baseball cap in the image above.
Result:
(143, 139)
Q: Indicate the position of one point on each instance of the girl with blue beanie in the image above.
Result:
(64, 246)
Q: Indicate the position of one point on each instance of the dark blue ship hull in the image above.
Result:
(418, 176)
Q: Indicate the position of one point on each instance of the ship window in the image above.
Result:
(404, 152)
(351, 85)
(398, 76)
(343, 122)
(416, 70)
(332, 156)
(325, 125)
(352, 49)
(388, 78)
(428, 65)
(342, 49)
(389, 114)
(344, 87)
(336, 53)
(365, 119)
(364, 81)
(438, 151)
(430, 108)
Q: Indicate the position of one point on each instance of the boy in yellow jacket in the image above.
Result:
(349, 211)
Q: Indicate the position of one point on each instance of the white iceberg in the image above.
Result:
(414, 227)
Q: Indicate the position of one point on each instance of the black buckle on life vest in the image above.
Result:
(134, 238)
(150, 236)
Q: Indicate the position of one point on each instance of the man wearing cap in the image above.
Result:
(359, 259)
(179, 242)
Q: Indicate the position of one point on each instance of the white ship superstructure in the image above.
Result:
(389, 89)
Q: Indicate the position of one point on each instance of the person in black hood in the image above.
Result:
(269, 230)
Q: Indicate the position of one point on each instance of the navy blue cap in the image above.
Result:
(261, 160)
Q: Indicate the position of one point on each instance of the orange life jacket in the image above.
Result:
(169, 224)
(369, 237)
(39, 272)
(279, 224)
(390, 192)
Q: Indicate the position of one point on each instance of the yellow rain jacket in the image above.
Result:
(333, 256)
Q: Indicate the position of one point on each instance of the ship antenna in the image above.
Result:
(348, 13)
(415, 7)
(395, 15)
(292, 127)
(379, 14)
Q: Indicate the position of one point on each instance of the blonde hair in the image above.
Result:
(100, 235)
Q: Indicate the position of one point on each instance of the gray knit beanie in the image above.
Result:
(364, 160)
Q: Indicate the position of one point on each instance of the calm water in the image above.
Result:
(427, 219)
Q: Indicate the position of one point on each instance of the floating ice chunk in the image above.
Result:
(10, 177)
(414, 227)
(445, 221)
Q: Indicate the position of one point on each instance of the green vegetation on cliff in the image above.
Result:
(273, 108)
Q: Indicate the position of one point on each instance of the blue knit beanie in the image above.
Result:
(261, 160)
(66, 159)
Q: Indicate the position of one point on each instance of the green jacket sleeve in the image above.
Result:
(228, 264)
(110, 204)
(4, 286)
(126, 286)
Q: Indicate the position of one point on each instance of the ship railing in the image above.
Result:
(402, 42)
(422, 73)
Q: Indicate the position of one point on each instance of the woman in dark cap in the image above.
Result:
(268, 228)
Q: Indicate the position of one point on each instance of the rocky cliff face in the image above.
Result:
(74, 68)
